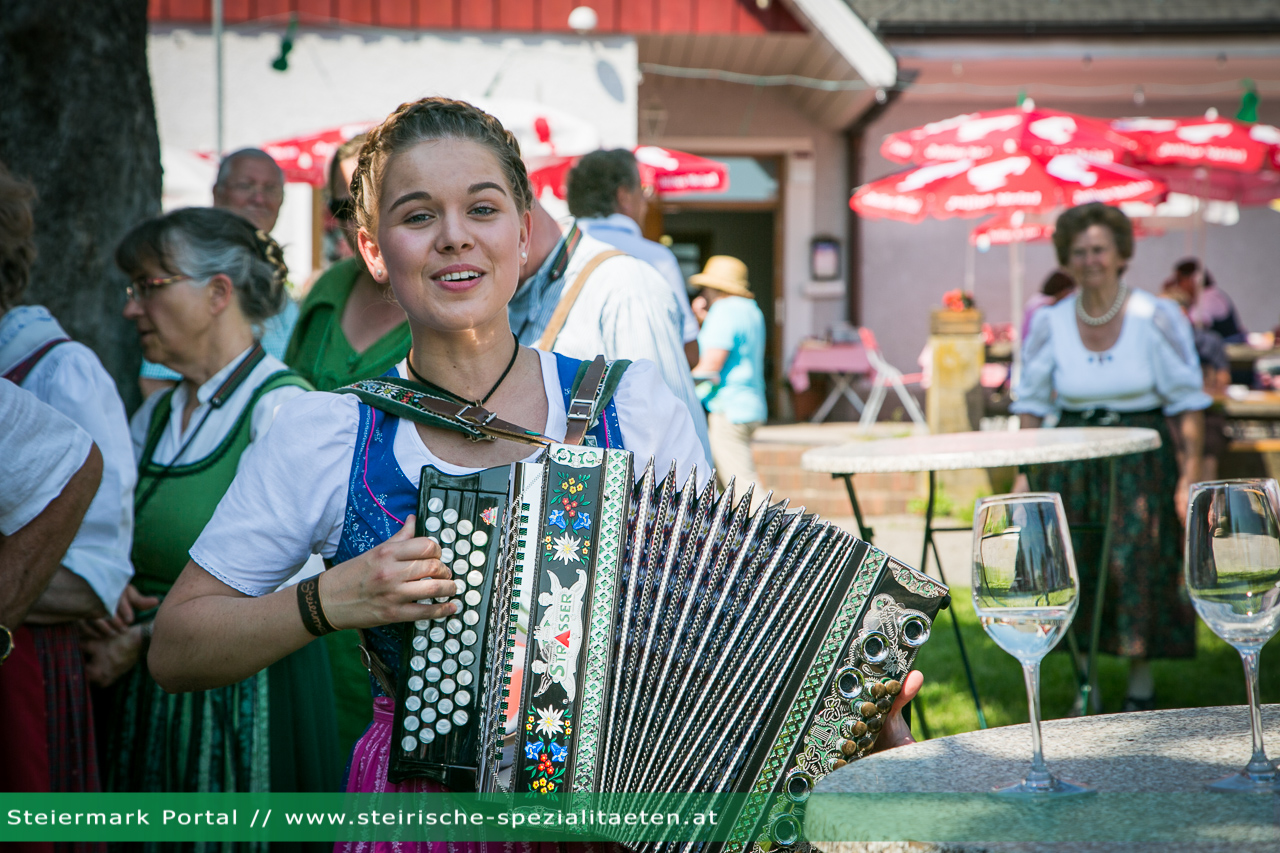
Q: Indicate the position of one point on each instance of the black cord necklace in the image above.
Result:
(422, 380)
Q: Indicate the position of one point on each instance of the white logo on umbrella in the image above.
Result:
(1056, 129)
(992, 176)
(1145, 125)
(1199, 134)
(1265, 133)
(970, 131)
(926, 175)
(659, 158)
(1072, 167)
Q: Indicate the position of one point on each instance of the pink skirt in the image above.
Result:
(369, 762)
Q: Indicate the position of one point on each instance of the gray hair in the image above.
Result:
(202, 242)
(224, 168)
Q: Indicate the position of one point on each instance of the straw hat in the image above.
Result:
(725, 274)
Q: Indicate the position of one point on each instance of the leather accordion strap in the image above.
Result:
(568, 298)
(405, 399)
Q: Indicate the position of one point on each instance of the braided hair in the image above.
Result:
(201, 242)
(431, 119)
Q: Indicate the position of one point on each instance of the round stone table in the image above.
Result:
(1151, 766)
(961, 450)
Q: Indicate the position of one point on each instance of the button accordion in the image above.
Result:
(617, 634)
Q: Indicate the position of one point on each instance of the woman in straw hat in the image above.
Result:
(731, 355)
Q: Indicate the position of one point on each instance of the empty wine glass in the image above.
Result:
(1025, 592)
(1233, 576)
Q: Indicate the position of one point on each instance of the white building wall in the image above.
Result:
(336, 78)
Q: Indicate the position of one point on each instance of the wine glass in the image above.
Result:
(1233, 576)
(1025, 592)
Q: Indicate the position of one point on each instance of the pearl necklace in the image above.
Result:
(1111, 312)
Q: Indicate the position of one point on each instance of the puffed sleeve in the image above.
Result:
(1035, 386)
(1179, 380)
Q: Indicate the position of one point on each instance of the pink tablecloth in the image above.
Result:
(835, 358)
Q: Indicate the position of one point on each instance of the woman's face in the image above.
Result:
(1094, 261)
(172, 318)
(449, 235)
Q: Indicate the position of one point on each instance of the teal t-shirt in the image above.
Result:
(735, 323)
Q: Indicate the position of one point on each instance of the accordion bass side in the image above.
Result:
(641, 635)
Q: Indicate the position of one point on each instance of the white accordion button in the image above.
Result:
(450, 667)
(426, 735)
(466, 659)
(462, 697)
(463, 547)
(460, 718)
(460, 585)
(475, 578)
(468, 639)
(445, 707)
(432, 524)
(446, 556)
(409, 744)
(477, 558)
(428, 715)
(480, 539)
(437, 634)
(450, 516)
(472, 597)
(471, 617)
(413, 703)
(432, 674)
(464, 677)
(435, 505)
(453, 626)
(447, 535)
(415, 683)
(460, 567)
(465, 527)
(417, 662)
(419, 642)
(411, 723)
(430, 695)
(447, 686)
(451, 646)
(434, 654)
(422, 624)
(444, 727)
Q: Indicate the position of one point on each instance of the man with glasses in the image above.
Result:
(251, 185)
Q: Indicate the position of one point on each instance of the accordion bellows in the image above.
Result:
(643, 636)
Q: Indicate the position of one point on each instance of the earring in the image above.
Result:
(378, 273)
(524, 256)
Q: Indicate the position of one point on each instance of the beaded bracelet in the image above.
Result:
(313, 618)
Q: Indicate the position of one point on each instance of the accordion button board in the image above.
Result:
(623, 633)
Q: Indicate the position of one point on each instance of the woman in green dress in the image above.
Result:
(202, 280)
(350, 328)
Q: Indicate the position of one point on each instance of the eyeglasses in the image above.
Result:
(144, 288)
(342, 209)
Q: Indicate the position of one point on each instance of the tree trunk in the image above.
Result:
(78, 120)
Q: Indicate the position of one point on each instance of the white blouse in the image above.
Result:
(1153, 363)
(289, 499)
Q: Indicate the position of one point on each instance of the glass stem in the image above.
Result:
(1031, 672)
(1258, 763)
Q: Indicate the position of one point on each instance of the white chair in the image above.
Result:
(886, 376)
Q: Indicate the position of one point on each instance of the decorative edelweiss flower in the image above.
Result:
(567, 549)
(549, 721)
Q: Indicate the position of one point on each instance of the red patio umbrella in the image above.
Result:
(305, 159)
(1009, 227)
(976, 136)
(966, 188)
(1203, 141)
(670, 172)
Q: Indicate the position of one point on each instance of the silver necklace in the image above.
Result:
(1111, 312)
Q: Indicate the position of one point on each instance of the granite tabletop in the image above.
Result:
(1151, 767)
(960, 450)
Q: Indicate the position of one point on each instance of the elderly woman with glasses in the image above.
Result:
(202, 280)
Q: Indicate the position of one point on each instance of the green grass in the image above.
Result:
(1213, 677)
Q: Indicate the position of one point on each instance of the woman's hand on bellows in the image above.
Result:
(895, 731)
(384, 584)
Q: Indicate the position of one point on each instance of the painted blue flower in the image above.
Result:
(556, 519)
(582, 521)
(559, 753)
(532, 750)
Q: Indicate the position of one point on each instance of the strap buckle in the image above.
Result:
(475, 415)
(580, 410)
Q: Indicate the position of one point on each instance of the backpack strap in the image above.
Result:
(568, 298)
(22, 369)
(593, 387)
